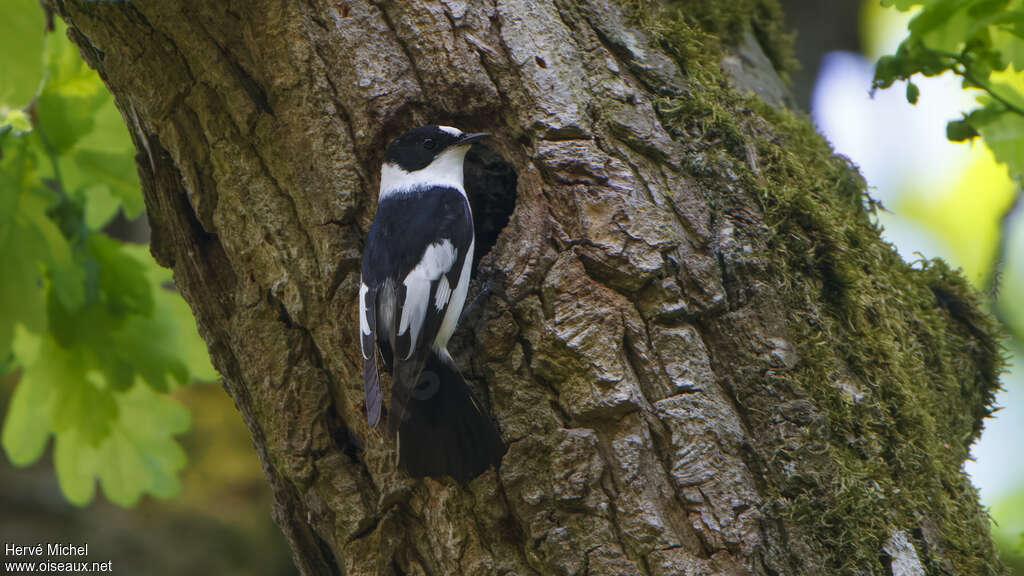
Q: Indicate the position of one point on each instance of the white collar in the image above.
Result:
(444, 171)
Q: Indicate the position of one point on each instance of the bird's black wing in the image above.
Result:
(417, 253)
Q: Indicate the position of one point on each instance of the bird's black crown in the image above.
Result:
(417, 148)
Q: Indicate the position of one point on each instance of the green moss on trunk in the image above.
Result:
(728, 21)
(919, 357)
(900, 357)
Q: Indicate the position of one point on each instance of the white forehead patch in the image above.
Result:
(453, 131)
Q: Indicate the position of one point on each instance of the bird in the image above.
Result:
(416, 266)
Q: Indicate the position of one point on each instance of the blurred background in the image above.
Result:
(941, 199)
(218, 524)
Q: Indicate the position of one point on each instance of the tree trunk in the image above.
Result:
(702, 357)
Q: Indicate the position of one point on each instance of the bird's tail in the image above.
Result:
(444, 431)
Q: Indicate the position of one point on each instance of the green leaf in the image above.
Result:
(117, 172)
(75, 462)
(938, 26)
(126, 439)
(85, 406)
(912, 92)
(1011, 46)
(71, 97)
(1006, 140)
(171, 307)
(22, 279)
(22, 291)
(960, 130)
(1008, 37)
(27, 424)
(986, 114)
(67, 73)
(26, 346)
(887, 70)
(100, 207)
(65, 118)
(17, 172)
(165, 344)
(110, 134)
(143, 340)
(66, 275)
(12, 163)
(983, 9)
(141, 455)
(22, 25)
(101, 169)
(1006, 92)
(901, 5)
(122, 278)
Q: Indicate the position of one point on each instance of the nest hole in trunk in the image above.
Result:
(490, 183)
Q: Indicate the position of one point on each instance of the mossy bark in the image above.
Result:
(701, 354)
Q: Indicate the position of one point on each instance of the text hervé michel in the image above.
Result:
(31, 559)
(55, 549)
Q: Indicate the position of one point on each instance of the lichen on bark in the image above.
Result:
(701, 354)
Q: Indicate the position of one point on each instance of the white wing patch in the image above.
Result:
(364, 320)
(454, 312)
(438, 259)
(444, 291)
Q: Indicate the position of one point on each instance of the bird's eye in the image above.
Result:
(429, 144)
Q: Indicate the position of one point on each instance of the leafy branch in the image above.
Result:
(974, 39)
(982, 42)
(963, 69)
(86, 327)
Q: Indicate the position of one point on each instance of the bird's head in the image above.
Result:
(426, 156)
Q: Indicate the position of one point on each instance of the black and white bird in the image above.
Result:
(415, 275)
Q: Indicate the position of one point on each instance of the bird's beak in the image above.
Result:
(467, 139)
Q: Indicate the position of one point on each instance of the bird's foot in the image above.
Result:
(485, 290)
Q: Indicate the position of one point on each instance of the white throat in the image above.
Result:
(445, 170)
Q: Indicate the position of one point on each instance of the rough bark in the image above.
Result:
(701, 355)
